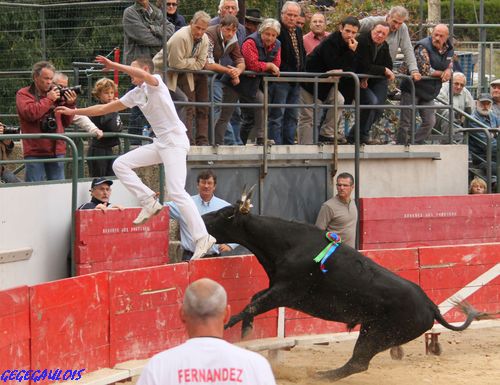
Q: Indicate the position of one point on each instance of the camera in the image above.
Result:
(62, 90)
(8, 130)
(49, 123)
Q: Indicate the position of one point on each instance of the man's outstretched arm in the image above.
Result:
(134, 72)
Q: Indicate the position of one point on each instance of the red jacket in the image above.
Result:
(31, 110)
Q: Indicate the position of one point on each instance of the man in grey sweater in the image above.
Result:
(399, 37)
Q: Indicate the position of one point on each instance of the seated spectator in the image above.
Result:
(495, 95)
(187, 50)
(35, 107)
(104, 91)
(223, 43)
(100, 192)
(477, 186)
(6, 147)
(372, 58)
(252, 20)
(205, 202)
(433, 54)
(172, 13)
(477, 140)
(262, 53)
(317, 32)
(335, 53)
(462, 99)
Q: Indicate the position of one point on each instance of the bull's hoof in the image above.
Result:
(331, 375)
(397, 353)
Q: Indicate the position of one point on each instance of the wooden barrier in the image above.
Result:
(387, 223)
(14, 329)
(144, 311)
(69, 323)
(106, 240)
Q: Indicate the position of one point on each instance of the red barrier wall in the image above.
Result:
(14, 329)
(106, 240)
(69, 323)
(242, 277)
(471, 272)
(429, 221)
(144, 311)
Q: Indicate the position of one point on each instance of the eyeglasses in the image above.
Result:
(459, 84)
(171, 4)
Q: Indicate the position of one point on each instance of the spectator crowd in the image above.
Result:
(184, 53)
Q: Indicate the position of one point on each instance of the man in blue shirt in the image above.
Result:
(205, 202)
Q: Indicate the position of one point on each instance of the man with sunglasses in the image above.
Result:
(172, 15)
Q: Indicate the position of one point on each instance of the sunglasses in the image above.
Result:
(171, 4)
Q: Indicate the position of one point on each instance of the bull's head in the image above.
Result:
(223, 224)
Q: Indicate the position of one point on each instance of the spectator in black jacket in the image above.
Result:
(335, 52)
(172, 15)
(104, 91)
(100, 192)
(372, 58)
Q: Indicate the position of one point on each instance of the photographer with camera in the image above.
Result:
(35, 108)
(6, 147)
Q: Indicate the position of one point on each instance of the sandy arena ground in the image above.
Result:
(471, 357)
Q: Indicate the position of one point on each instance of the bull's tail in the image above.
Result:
(466, 308)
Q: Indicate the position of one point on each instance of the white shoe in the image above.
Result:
(203, 245)
(150, 208)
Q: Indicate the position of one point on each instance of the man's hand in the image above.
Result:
(352, 44)
(446, 75)
(416, 76)
(70, 97)
(223, 248)
(108, 64)
(54, 94)
(233, 71)
(273, 69)
(389, 74)
(99, 134)
(65, 110)
(1, 128)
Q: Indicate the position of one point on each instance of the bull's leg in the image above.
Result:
(261, 302)
(372, 339)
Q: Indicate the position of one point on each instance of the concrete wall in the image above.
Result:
(39, 216)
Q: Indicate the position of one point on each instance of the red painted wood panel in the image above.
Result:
(14, 329)
(465, 255)
(70, 323)
(421, 221)
(108, 241)
(242, 277)
(144, 311)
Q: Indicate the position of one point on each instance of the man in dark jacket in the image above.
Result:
(100, 192)
(283, 121)
(434, 56)
(335, 52)
(372, 58)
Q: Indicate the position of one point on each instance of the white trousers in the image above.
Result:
(172, 153)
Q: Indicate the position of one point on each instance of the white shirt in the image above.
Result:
(157, 106)
(207, 360)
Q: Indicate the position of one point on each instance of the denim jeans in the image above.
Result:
(283, 121)
(8, 176)
(36, 172)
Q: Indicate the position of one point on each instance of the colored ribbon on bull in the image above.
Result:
(322, 257)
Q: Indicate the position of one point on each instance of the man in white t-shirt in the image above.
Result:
(205, 358)
(170, 147)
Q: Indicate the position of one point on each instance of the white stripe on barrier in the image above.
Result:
(470, 288)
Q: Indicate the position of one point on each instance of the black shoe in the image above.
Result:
(331, 140)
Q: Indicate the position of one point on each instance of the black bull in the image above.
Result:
(389, 309)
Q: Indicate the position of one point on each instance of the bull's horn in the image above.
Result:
(250, 192)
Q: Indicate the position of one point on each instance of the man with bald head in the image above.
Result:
(205, 357)
(434, 58)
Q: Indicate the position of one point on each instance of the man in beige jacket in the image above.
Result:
(187, 49)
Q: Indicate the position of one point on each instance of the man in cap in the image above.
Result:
(477, 140)
(495, 95)
(100, 191)
(252, 20)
